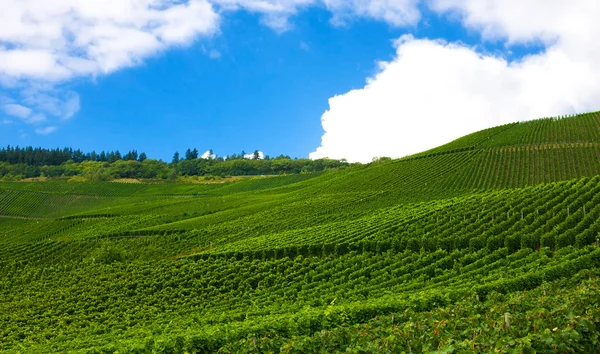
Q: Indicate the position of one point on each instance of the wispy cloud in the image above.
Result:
(277, 13)
(46, 130)
(304, 46)
(45, 44)
(16, 110)
(214, 54)
(37, 118)
(396, 13)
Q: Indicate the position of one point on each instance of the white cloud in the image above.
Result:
(24, 113)
(261, 155)
(44, 44)
(304, 46)
(395, 12)
(214, 54)
(71, 105)
(50, 101)
(276, 13)
(429, 94)
(209, 155)
(31, 63)
(526, 20)
(57, 40)
(434, 92)
(16, 110)
(36, 118)
(46, 130)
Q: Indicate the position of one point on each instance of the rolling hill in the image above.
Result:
(488, 243)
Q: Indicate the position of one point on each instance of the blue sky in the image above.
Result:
(265, 90)
(260, 77)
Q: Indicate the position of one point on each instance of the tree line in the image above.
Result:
(17, 163)
(54, 157)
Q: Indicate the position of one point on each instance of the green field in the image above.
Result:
(486, 244)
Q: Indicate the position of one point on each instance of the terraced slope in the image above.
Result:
(489, 243)
(581, 128)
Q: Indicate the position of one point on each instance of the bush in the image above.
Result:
(513, 243)
(530, 241)
(495, 242)
(477, 243)
(429, 243)
(413, 245)
(109, 254)
(566, 239)
(585, 238)
(548, 240)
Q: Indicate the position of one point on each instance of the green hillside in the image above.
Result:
(486, 244)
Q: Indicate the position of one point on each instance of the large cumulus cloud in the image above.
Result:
(433, 91)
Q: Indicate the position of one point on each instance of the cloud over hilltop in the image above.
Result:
(433, 92)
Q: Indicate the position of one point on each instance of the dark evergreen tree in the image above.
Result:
(131, 155)
(142, 157)
(191, 154)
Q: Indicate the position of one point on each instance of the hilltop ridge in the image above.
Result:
(581, 128)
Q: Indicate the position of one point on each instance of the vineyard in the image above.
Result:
(487, 244)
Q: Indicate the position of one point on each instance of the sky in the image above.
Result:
(353, 79)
